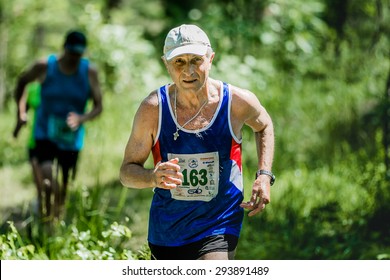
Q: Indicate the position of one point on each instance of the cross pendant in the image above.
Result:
(175, 135)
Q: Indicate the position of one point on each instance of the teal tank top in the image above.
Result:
(60, 95)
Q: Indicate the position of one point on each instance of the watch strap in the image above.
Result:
(266, 172)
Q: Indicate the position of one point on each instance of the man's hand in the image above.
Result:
(20, 122)
(73, 120)
(167, 174)
(259, 198)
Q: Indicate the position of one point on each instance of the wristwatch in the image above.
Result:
(266, 172)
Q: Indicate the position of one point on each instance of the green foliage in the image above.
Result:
(78, 245)
(322, 214)
(12, 246)
(87, 232)
(119, 49)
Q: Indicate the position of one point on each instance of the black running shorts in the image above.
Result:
(193, 251)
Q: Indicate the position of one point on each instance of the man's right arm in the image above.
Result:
(36, 72)
(132, 171)
(133, 174)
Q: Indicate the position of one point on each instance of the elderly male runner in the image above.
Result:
(193, 128)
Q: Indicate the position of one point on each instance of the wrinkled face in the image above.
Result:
(189, 71)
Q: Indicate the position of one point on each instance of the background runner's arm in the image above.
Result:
(36, 72)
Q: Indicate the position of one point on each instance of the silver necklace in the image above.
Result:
(176, 134)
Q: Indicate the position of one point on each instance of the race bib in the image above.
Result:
(200, 176)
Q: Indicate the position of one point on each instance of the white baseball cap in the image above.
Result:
(185, 39)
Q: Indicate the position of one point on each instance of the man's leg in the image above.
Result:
(68, 162)
(45, 152)
(37, 175)
(49, 186)
(218, 256)
(221, 247)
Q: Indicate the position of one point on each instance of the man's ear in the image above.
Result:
(165, 62)
(211, 59)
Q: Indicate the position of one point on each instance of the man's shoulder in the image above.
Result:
(149, 107)
(239, 92)
(39, 66)
(243, 99)
(158, 93)
(151, 100)
(42, 60)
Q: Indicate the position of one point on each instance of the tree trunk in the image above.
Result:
(3, 54)
(386, 127)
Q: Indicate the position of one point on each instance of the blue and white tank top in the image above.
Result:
(61, 94)
(208, 201)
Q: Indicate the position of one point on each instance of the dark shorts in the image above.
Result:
(46, 150)
(32, 153)
(193, 251)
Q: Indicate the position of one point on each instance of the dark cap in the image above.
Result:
(75, 42)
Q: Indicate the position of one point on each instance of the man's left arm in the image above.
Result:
(261, 123)
(74, 120)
